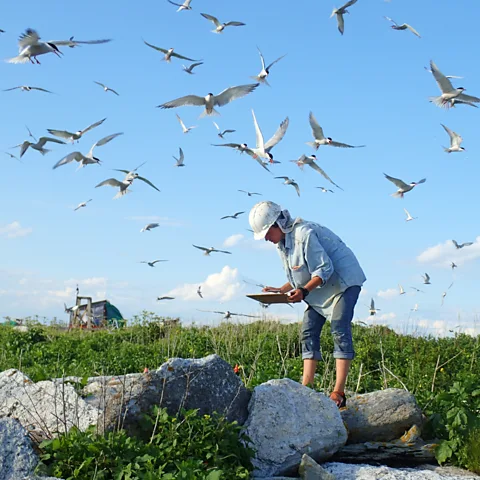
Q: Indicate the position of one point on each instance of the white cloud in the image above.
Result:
(14, 230)
(445, 253)
(90, 282)
(233, 240)
(222, 286)
(67, 292)
(388, 294)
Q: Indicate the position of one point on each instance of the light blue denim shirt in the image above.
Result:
(310, 250)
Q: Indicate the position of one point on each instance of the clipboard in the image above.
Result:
(269, 297)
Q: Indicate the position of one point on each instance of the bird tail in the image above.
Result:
(121, 193)
(19, 59)
(213, 113)
(440, 102)
(445, 149)
(43, 151)
(397, 195)
(313, 145)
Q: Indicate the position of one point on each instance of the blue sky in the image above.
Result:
(367, 87)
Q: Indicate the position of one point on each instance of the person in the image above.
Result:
(324, 273)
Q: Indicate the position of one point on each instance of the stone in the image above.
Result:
(286, 420)
(17, 458)
(207, 384)
(381, 416)
(309, 469)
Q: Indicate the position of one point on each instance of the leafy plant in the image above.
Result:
(187, 447)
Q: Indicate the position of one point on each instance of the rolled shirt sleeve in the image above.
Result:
(318, 262)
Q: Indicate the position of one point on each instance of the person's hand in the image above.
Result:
(271, 289)
(295, 296)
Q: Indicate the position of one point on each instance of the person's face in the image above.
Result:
(274, 235)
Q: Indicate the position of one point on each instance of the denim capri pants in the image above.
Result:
(341, 327)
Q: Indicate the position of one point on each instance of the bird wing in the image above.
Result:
(181, 122)
(283, 178)
(226, 216)
(391, 20)
(41, 89)
(237, 214)
(258, 134)
(340, 23)
(344, 145)
(450, 132)
(412, 30)
(143, 179)
(60, 133)
(216, 126)
(187, 100)
(399, 183)
(112, 182)
(193, 65)
(234, 24)
(114, 91)
(120, 170)
(442, 81)
(173, 3)
(30, 37)
(317, 130)
(232, 93)
(228, 131)
(93, 125)
(156, 261)
(211, 18)
(468, 98)
(174, 54)
(372, 305)
(201, 248)
(103, 141)
(274, 62)
(427, 277)
(100, 83)
(261, 59)
(423, 180)
(163, 50)
(297, 188)
(43, 140)
(278, 136)
(348, 4)
(77, 156)
(231, 145)
(182, 156)
(322, 172)
(74, 43)
(222, 251)
(10, 89)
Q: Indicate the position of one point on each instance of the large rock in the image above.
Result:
(381, 416)
(207, 384)
(46, 408)
(17, 458)
(287, 420)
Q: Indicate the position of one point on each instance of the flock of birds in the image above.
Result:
(31, 47)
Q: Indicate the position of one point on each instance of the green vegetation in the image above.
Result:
(442, 373)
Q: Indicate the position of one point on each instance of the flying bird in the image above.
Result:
(12, 156)
(71, 43)
(325, 190)
(409, 217)
(122, 185)
(149, 226)
(461, 245)
(417, 290)
(38, 145)
(310, 161)
(199, 291)
(265, 71)
(169, 53)
(210, 100)
(228, 314)
(455, 141)
(190, 68)
(74, 136)
(27, 88)
(180, 160)
(249, 193)
(449, 94)
(263, 149)
(402, 291)
(402, 186)
(131, 175)
(87, 159)
(339, 12)
(235, 216)
(453, 265)
(107, 89)
(403, 26)
(320, 138)
(152, 264)
(184, 128)
(426, 279)
(182, 6)
(165, 298)
(208, 251)
(81, 205)
(373, 310)
(291, 181)
(222, 133)
(415, 308)
(219, 27)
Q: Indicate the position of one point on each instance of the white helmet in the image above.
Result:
(262, 216)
